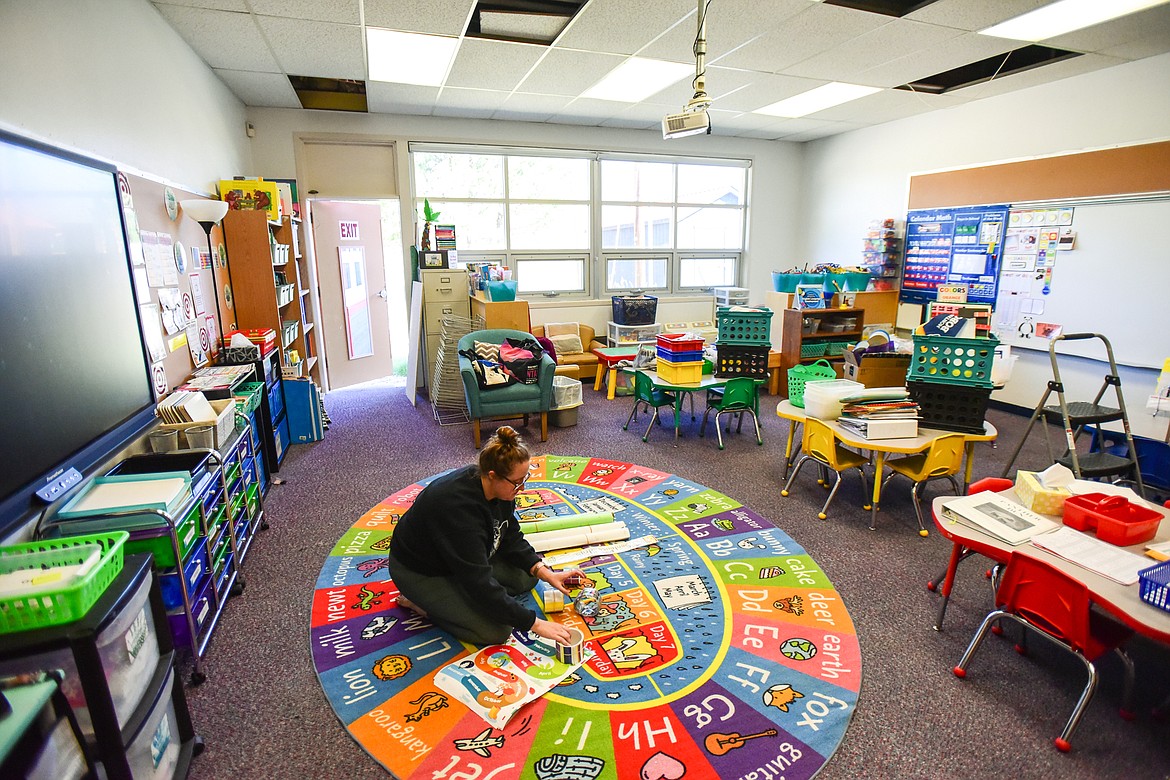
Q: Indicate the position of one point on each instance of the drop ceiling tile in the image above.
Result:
(967, 15)
(807, 34)
(440, 17)
(223, 39)
(271, 90)
(316, 48)
(884, 106)
(742, 121)
(764, 91)
(622, 27)
(588, 111)
(386, 98)
(1157, 42)
(893, 40)
(631, 123)
(216, 5)
(1115, 33)
(956, 52)
(484, 64)
(828, 131)
(1036, 76)
(527, 107)
(340, 11)
(569, 73)
(474, 103)
(730, 24)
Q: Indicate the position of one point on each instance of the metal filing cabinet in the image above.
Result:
(444, 293)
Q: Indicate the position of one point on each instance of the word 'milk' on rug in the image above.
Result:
(720, 649)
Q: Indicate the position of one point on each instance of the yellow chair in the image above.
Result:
(942, 460)
(820, 444)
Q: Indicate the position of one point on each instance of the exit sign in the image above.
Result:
(348, 230)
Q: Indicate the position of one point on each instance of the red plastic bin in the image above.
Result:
(1115, 519)
(678, 342)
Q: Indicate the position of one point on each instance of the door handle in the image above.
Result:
(382, 294)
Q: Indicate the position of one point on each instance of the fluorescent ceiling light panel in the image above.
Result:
(1065, 16)
(833, 94)
(637, 79)
(409, 58)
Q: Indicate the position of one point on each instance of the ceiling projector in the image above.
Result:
(686, 123)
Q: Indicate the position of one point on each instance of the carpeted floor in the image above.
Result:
(263, 713)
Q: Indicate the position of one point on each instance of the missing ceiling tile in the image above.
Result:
(895, 8)
(330, 94)
(1015, 61)
(522, 21)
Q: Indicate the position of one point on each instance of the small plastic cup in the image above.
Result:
(201, 437)
(164, 440)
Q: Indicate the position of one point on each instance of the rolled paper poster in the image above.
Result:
(569, 521)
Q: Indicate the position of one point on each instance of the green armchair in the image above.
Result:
(513, 400)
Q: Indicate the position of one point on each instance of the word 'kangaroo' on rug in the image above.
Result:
(720, 649)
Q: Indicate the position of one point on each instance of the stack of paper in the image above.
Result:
(185, 406)
(998, 516)
(1116, 563)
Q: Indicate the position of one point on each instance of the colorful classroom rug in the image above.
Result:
(720, 650)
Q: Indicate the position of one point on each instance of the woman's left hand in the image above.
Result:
(576, 578)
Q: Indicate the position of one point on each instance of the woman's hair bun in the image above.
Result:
(507, 435)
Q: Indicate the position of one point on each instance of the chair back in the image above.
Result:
(989, 484)
(945, 456)
(821, 443)
(644, 388)
(1050, 600)
(738, 393)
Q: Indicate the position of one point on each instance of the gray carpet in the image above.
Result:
(262, 712)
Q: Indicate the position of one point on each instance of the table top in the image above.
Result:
(707, 381)
(614, 354)
(852, 438)
(1122, 601)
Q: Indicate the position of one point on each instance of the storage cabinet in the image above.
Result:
(199, 548)
(512, 315)
(882, 254)
(444, 293)
(817, 334)
(141, 727)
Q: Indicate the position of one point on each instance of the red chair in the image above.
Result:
(1039, 596)
(946, 578)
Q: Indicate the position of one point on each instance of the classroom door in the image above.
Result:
(347, 239)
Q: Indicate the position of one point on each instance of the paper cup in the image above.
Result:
(574, 652)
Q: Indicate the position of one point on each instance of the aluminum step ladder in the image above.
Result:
(1075, 415)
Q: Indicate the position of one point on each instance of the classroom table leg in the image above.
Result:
(957, 554)
(878, 468)
(677, 411)
(600, 375)
(612, 382)
(788, 447)
(969, 454)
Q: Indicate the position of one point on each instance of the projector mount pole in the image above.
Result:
(700, 101)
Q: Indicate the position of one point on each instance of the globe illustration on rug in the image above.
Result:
(719, 648)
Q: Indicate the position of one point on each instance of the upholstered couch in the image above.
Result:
(584, 363)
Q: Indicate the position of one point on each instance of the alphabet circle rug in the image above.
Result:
(720, 650)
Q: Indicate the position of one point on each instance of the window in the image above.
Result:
(661, 224)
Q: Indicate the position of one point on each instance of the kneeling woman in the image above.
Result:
(458, 556)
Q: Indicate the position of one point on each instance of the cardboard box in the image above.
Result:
(1032, 494)
(891, 429)
(875, 371)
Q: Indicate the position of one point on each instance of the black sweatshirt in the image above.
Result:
(453, 531)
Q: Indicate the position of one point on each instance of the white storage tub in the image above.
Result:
(822, 399)
(566, 392)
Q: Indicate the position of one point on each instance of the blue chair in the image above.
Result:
(511, 401)
(739, 397)
(646, 393)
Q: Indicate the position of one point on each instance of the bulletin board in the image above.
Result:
(173, 282)
(1115, 280)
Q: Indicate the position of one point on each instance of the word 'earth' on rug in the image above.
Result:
(720, 651)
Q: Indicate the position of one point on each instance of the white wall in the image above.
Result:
(850, 179)
(112, 79)
(774, 194)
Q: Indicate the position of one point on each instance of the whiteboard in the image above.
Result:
(1115, 281)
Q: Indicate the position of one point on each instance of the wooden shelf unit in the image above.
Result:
(794, 338)
(501, 314)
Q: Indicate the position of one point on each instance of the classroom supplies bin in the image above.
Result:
(730, 296)
(70, 602)
(503, 290)
(127, 650)
(679, 357)
(953, 360)
(750, 327)
(248, 396)
(1115, 519)
(798, 376)
(154, 753)
(1031, 493)
(566, 392)
(635, 309)
(835, 348)
(679, 342)
(950, 407)
(193, 570)
(813, 349)
(823, 399)
(739, 360)
(680, 373)
(1154, 585)
(785, 283)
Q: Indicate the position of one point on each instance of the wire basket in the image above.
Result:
(798, 376)
(1155, 585)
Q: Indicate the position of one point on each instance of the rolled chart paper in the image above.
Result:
(568, 521)
(577, 537)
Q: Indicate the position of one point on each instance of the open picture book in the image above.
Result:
(1001, 517)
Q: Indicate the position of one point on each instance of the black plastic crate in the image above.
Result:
(950, 407)
(635, 309)
(740, 360)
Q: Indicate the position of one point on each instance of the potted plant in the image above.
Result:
(429, 216)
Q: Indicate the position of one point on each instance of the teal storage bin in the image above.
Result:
(785, 283)
(856, 281)
(501, 291)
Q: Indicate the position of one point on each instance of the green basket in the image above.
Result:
(813, 349)
(798, 376)
(953, 360)
(66, 604)
(248, 396)
(836, 348)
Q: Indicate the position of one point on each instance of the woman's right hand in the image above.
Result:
(551, 630)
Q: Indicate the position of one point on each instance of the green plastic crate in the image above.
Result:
(66, 604)
(953, 360)
(749, 328)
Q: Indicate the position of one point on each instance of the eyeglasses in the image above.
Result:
(516, 484)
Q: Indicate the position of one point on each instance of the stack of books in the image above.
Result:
(186, 406)
(444, 236)
(881, 413)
